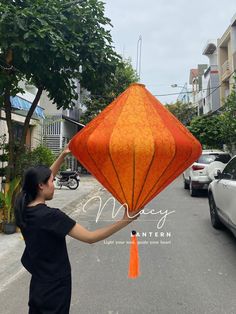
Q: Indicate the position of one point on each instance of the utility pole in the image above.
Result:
(138, 58)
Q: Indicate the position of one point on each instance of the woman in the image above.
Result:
(44, 230)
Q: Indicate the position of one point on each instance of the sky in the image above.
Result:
(174, 34)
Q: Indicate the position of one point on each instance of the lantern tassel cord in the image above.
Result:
(134, 257)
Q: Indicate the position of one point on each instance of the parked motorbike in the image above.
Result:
(70, 179)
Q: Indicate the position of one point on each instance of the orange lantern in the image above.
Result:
(135, 147)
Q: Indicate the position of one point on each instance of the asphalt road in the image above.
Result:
(186, 266)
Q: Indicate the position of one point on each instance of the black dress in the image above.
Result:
(46, 258)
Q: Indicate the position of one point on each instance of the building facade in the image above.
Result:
(21, 104)
(226, 46)
(195, 80)
(210, 79)
(59, 126)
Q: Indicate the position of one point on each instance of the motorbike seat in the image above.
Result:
(67, 173)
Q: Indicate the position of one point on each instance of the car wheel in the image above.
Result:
(215, 221)
(192, 190)
(186, 185)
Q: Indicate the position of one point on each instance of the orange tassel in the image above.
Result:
(134, 257)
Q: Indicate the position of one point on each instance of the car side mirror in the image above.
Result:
(218, 174)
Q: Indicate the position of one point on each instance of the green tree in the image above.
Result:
(228, 120)
(45, 42)
(123, 76)
(207, 129)
(40, 155)
(183, 112)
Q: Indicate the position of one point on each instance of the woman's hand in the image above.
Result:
(131, 216)
(66, 150)
(59, 161)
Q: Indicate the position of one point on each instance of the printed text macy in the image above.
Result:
(161, 214)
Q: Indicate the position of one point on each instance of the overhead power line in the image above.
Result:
(8, 67)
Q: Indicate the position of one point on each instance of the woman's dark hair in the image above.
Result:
(32, 178)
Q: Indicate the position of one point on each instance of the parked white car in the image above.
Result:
(222, 197)
(199, 175)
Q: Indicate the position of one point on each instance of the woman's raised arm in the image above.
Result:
(80, 233)
(59, 161)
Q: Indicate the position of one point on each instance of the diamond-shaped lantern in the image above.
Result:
(135, 147)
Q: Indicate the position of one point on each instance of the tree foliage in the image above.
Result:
(228, 120)
(45, 42)
(207, 129)
(183, 112)
(217, 129)
(40, 155)
(123, 76)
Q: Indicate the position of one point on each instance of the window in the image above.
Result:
(225, 158)
(209, 158)
(229, 173)
(17, 131)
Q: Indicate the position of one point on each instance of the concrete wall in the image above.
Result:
(35, 124)
(69, 129)
(233, 47)
(227, 51)
(54, 140)
(47, 104)
(213, 59)
(215, 92)
(35, 128)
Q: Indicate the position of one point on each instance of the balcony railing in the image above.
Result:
(225, 66)
(225, 70)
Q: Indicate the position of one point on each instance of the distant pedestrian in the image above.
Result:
(44, 230)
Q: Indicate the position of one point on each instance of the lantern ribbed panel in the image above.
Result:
(135, 147)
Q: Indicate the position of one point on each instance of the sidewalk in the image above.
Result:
(12, 246)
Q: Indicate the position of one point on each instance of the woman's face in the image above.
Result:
(48, 190)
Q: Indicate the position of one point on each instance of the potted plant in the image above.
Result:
(6, 198)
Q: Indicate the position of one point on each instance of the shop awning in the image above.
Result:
(80, 125)
(22, 104)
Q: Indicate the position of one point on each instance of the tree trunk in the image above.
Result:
(29, 115)
(7, 106)
(14, 149)
(14, 152)
(22, 147)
